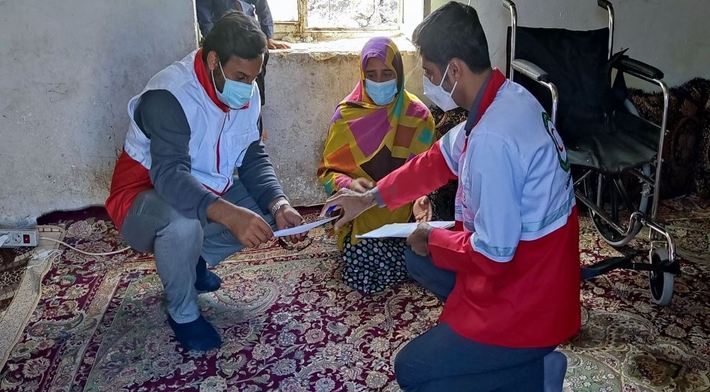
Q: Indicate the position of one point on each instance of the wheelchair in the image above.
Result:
(612, 151)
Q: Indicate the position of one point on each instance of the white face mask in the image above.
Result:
(438, 95)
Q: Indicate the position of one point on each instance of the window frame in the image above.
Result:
(299, 28)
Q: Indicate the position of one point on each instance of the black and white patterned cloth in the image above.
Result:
(374, 265)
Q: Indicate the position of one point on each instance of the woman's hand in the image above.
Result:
(361, 185)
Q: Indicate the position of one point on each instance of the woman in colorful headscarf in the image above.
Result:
(375, 129)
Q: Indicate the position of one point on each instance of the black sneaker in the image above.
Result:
(197, 335)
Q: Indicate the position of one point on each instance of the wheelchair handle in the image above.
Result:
(604, 3)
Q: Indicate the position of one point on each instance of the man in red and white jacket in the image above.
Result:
(174, 191)
(509, 271)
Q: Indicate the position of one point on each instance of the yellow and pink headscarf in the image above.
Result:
(370, 141)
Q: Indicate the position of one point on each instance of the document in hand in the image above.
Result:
(303, 228)
(402, 230)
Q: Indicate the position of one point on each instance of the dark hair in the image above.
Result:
(234, 34)
(453, 31)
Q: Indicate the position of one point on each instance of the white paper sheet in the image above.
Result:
(303, 228)
(402, 230)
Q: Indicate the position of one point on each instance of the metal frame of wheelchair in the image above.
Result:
(605, 195)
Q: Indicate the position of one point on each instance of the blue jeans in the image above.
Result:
(442, 360)
(178, 242)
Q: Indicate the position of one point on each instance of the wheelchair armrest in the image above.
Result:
(637, 68)
(539, 75)
(530, 70)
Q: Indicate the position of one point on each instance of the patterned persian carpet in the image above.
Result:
(290, 324)
(12, 267)
(21, 273)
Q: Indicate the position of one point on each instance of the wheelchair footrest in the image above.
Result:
(606, 265)
(626, 262)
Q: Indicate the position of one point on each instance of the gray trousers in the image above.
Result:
(177, 243)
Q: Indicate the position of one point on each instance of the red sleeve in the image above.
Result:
(420, 176)
(452, 250)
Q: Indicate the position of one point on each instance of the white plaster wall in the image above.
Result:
(671, 35)
(303, 88)
(67, 70)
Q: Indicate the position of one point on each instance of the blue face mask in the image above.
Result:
(382, 93)
(234, 94)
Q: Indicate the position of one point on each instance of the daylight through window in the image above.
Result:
(339, 15)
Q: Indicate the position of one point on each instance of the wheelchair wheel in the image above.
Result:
(611, 196)
(661, 283)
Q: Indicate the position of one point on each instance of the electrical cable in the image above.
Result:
(84, 252)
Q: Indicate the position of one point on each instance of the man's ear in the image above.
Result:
(456, 68)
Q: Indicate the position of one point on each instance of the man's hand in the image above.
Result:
(250, 229)
(287, 217)
(351, 203)
(419, 239)
(421, 209)
(361, 185)
(273, 44)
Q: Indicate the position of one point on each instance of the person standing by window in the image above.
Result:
(209, 11)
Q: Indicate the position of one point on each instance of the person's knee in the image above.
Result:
(183, 233)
